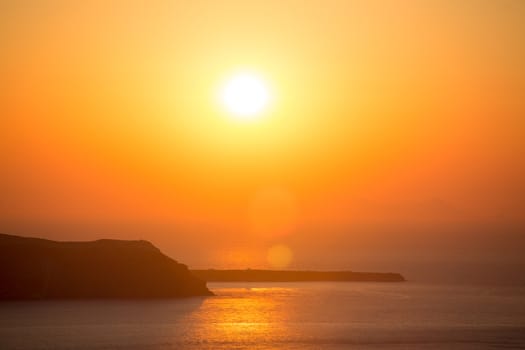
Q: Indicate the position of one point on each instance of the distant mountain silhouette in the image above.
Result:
(249, 275)
(33, 268)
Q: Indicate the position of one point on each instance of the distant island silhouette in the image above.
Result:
(34, 268)
(250, 275)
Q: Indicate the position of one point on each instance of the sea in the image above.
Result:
(338, 315)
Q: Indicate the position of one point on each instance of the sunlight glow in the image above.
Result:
(245, 96)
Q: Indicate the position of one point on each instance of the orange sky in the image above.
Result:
(394, 122)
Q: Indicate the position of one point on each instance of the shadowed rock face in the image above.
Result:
(32, 268)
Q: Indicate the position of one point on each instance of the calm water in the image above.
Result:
(279, 316)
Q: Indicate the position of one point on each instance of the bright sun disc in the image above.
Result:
(245, 95)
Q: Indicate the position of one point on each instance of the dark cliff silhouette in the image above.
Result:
(33, 268)
(249, 275)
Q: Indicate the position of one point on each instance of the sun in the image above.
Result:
(245, 96)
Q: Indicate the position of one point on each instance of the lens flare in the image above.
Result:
(280, 256)
(273, 212)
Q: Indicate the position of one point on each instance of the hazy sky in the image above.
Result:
(396, 133)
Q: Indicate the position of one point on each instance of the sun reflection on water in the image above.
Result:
(244, 316)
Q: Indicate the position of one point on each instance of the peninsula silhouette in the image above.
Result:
(34, 268)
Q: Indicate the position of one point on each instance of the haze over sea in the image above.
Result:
(335, 315)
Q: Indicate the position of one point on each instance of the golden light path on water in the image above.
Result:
(250, 315)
